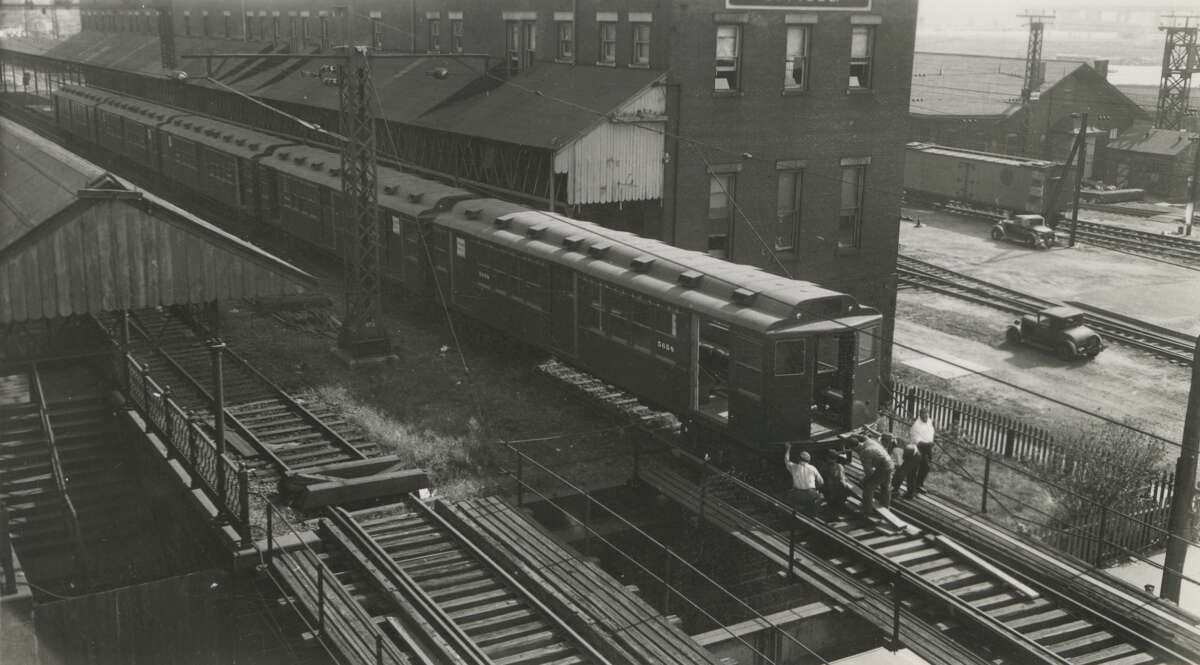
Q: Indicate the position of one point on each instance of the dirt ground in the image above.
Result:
(1120, 383)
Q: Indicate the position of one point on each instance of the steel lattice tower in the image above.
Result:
(1035, 73)
(362, 334)
(1179, 61)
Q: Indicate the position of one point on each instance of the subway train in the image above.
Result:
(735, 352)
(984, 183)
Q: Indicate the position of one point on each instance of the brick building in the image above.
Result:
(768, 132)
(1159, 161)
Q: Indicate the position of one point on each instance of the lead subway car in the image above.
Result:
(737, 352)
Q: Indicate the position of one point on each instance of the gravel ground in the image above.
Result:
(1120, 383)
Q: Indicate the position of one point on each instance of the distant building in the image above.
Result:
(1156, 160)
(972, 101)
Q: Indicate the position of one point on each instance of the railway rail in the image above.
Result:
(276, 426)
(1167, 344)
(934, 581)
(1176, 248)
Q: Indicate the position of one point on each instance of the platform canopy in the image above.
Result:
(75, 239)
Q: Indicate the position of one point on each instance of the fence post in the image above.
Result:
(896, 582)
(1100, 541)
(587, 525)
(987, 477)
(1010, 442)
(146, 392)
(910, 403)
(320, 599)
(270, 532)
(244, 501)
(792, 546)
(193, 447)
(6, 553)
(667, 582)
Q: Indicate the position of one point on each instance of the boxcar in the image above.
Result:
(985, 182)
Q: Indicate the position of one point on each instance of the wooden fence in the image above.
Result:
(1110, 536)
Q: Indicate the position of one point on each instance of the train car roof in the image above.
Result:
(979, 155)
(733, 293)
(400, 192)
(224, 136)
(82, 94)
(146, 113)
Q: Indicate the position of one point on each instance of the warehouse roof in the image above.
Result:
(546, 106)
(75, 239)
(1165, 142)
(953, 84)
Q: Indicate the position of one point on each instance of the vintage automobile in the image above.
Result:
(1029, 229)
(1059, 329)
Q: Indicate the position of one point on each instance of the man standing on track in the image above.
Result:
(922, 433)
(805, 481)
(877, 473)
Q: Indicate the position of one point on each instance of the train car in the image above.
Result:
(407, 206)
(129, 127)
(736, 351)
(983, 182)
(75, 111)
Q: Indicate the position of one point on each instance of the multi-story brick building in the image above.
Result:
(768, 132)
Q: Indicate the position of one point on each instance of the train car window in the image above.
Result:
(789, 358)
(868, 344)
(666, 322)
(827, 354)
(642, 317)
(617, 309)
(590, 315)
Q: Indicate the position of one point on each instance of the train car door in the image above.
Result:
(746, 413)
(789, 417)
(833, 378)
(711, 389)
(966, 180)
(864, 405)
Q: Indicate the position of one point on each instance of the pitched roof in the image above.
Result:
(546, 106)
(1165, 142)
(953, 84)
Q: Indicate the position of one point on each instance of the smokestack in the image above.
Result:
(1101, 67)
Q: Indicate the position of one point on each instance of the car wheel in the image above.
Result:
(997, 234)
(1013, 336)
(1066, 350)
(1032, 242)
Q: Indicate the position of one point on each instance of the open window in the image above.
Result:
(714, 365)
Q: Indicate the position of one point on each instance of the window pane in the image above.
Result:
(868, 344)
(860, 42)
(789, 358)
(795, 59)
(787, 209)
(727, 42)
(718, 196)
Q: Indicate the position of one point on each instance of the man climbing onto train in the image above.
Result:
(877, 473)
(922, 434)
(804, 495)
(836, 487)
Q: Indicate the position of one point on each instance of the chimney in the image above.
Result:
(1101, 67)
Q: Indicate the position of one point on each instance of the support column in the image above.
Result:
(216, 346)
(1185, 488)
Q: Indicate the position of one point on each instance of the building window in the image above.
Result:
(305, 36)
(729, 45)
(275, 29)
(608, 42)
(226, 20)
(512, 46)
(456, 35)
(566, 40)
(435, 34)
(204, 24)
(720, 213)
(641, 44)
(795, 68)
(324, 33)
(850, 213)
(376, 32)
(787, 210)
(862, 44)
(187, 24)
(529, 43)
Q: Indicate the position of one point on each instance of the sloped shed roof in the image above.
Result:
(1165, 142)
(74, 240)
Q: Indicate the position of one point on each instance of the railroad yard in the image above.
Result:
(355, 336)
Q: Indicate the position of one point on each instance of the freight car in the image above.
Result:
(984, 183)
(736, 352)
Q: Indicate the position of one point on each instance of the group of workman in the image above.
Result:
(887, 465)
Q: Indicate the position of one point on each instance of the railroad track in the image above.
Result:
(286, 433)
(1177, 248)
(970, 602)
(1164, 343)
(489, 616)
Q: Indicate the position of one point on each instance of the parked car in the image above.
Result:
(1059, 329)
(1029, 229)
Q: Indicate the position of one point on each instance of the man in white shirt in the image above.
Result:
(806, 480)
(922, 433)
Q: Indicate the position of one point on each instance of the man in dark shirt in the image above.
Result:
(877, 473)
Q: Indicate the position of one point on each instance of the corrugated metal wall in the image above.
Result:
(113, 255)
(618, 161)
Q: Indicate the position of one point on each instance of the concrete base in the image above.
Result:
(354, 362)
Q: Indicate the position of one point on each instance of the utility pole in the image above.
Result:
(1189, 212)
(1079, 147)
(1180, 60)
(1185, 488)
(1035, 73)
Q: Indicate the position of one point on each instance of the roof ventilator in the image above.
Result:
(390, 189)
(240, 141)
(641, 263)
(502, 222)
(333, 170)
(415, 197)
(254, 145)
(598, 250)
(573, 243)
(744, 296)
(317, 166)
(535, 231)
(472, 213)
(690, 279)
(300, 160)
